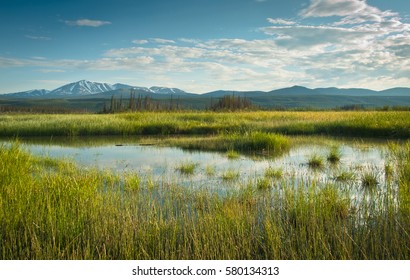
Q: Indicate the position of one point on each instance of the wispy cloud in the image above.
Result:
(87, 22)
(41, 38)
(162, 41)
(140, 42)
(51, 71)
(281, 21)
(352, 11)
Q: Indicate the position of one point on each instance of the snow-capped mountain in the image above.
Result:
(165, 90)
(82, 87)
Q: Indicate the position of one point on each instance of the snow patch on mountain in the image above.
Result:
(166, 90)
(82, 87)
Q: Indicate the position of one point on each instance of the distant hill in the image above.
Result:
(92, 96)
(28, 94)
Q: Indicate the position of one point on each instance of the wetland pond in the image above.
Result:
(216, 171)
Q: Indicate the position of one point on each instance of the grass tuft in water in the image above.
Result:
(334, 155)
(369, 180)
(187, 168)
(316, 162)
(345, 177)
(210, 170)
(231, 154)
(230, 175)
(273, 173)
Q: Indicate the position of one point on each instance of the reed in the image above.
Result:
(57, 210)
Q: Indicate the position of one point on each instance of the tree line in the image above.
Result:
(137, 103)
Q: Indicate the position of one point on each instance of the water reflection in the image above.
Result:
(145, 156)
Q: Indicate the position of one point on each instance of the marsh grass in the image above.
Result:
(388, 170)
(334, 155)
(231, 154)
(267, 143)
(78, 213)
(273, 173)
(369, 180)
(187, 168)
(230, 175)
(345, 177)
(315, 161)
(210, 170)
(361, 124)
(263, 183)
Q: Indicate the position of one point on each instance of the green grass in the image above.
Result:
(316, 162)
(273, 173)
(210, 170)
(345, 177)
(388, 170)
(231, 154)
(369, 180)
(187, 168)
(361, 124)
(57, 210)
(263, 183)
(334, 155)
(230, 175)
(259, 143)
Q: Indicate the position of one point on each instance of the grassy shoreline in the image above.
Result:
(52, 209)
(370, 124)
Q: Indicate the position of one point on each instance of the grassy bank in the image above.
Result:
(359, 124)
(52, 209)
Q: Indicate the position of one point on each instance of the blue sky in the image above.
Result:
(204, 45)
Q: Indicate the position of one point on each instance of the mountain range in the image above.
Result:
(85, 88)
(93, 97)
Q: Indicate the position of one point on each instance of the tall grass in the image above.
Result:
(363, 124)
(261, 143)
(56, 210)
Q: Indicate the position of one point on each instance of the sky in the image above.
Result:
(205, 45)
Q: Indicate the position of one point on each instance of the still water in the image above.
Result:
(161, 163)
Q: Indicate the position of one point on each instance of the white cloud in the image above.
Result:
(140, 42)
(87, 22)
(162, 41)
(352, 11)
(280, 21)
(328, 8)
(302, 36)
